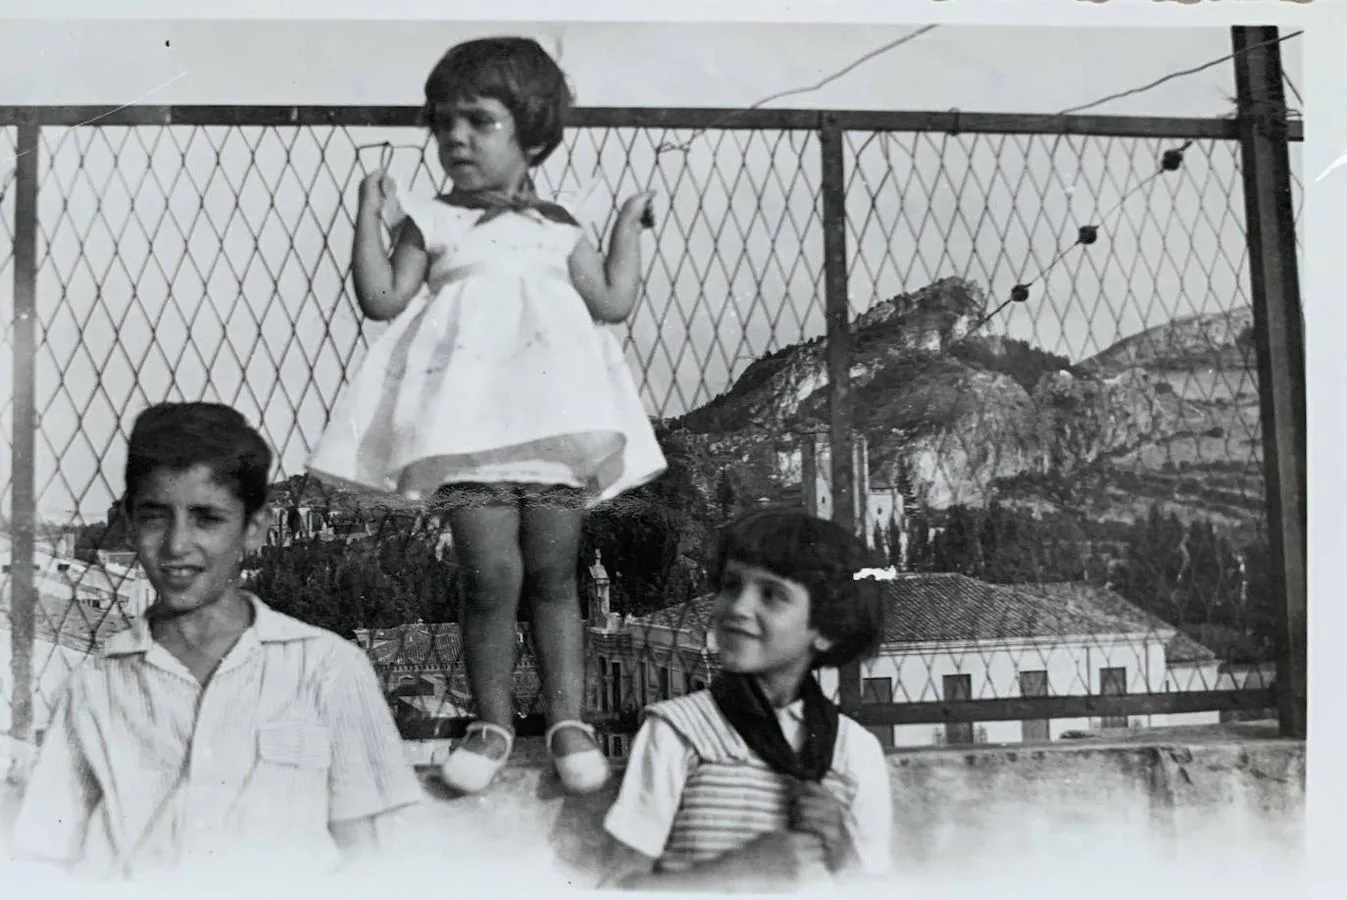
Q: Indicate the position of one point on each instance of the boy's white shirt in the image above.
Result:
(290, 735)
(643, 814)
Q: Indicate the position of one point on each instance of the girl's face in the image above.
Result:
(478, 145)
(762, 626)
(191, 533)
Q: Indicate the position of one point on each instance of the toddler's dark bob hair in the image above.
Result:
(514, 71)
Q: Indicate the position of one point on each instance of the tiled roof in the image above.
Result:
(1098, 601)
(411, 648)
(1183, 649)
(1102, 601)
(1206, 643)
(438, 645)
(942, 607)
(692, 618)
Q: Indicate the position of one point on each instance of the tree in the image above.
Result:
(111, 535)
(894, 545)
(1190, 576)
(1064, 553)
(1213, 580)
(1152, 564)
(1261, 606)
(920, 546)
(1002, 545)
(726, 496)
(639, 543)
(371, 583)
(650, 535)
(957, 547)
(1019, 359)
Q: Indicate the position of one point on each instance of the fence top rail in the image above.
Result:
(945, 122)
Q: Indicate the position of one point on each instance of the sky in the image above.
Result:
(223, 278)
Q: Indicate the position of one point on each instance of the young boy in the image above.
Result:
(759, 783)
(214, 729)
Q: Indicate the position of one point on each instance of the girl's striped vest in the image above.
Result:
(731, 796)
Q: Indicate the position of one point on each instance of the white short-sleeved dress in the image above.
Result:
(497, 373)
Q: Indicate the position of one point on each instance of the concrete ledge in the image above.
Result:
(1108, 812)
(1125, 807)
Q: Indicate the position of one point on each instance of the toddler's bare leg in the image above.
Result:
(550, 541)
(486, 540)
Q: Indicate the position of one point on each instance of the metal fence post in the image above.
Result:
(23, 500)
(837, 304)
(1278, 336)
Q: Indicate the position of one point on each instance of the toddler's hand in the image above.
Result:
(638, 210)
(375, 189)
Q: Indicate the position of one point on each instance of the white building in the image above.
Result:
(947, 637)
(79, 605)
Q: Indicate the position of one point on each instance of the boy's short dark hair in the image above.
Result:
(178, 436)
(514, 71)
(824, 557)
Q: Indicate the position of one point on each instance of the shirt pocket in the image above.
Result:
(295, 744)
(288, 795)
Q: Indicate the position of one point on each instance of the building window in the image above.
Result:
(1113, 683)
(879, 690)
(615, 688)
(958, 687)
(664, 682)
(1034, 684)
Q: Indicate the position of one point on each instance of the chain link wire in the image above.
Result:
(209, 262)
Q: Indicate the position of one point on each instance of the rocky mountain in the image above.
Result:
(1169, 415)
(1219, 340)
(953, 416)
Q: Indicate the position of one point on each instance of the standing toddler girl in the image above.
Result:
(497, 393)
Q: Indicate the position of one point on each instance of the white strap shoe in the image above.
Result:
(585, 771)
(470, 772)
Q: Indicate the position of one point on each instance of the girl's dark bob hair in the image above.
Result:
(825, 558)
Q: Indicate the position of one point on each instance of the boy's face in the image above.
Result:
(762, 624)
(191, 534)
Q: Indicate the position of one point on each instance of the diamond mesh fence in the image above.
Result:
(1065, 415)
(1052, 371)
